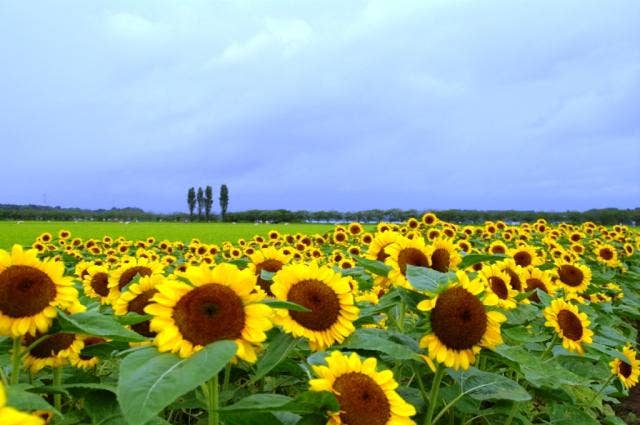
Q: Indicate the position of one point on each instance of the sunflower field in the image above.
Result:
(420, 322)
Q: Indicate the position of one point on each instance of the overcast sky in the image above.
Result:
(321, 105)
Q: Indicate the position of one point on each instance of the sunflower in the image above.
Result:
(628, 371)
(534, 278)
(497, 281)
(429, 219)
(607, 254)
(461, 324)
(122, 275)
(573, 277)
(268, 259)
(376, 250)
(366, 396)
(83, 361)
(54, 350)
(497, 248)
(11, 416)
(570, 324)
(96, 283)
(525, 256)
(218, 305)
(136, 298)
(355, 228)
(402, 253)
(30, 291)
(325, 293)
(443, 256)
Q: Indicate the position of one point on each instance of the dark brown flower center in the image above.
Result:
(440, 260)
(412, 256)
(533, 283)
(317, 297)
(624, 369)
(382, 255)
(570, 275)
(498, 249)
(50, 346)
(514, 280)
(570, 325)
(362, 401)
(459, 319)
(271, 265)
(499, 287)
(25, 291)
(127, 276)
(522, 258)
(137, 305)
(606, 254)
(99, 283)
(209, 313)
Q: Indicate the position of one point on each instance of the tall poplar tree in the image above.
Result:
(224, 201)
(200, 199)
(191, 200)
(208, 201)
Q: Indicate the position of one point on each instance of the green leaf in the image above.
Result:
(490, 386)
(258, 402)
(425, 279)
(248, 418)
(133, 318)
(287, 305)
(150, 381)
(567, 414)
(93, 323)
(378, 340)
(308, 402)
(540, 374)
(102, 407)
(266, 275)
(373, 266)
(275, 353)
(21, 399)
(104, 349)
(522, 334)
(471, 259)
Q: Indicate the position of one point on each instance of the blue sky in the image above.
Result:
(321, 105)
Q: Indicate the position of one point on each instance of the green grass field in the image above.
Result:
(24, 233)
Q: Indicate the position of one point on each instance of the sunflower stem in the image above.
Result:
(401, 312)
(605, 385)
(15, 360)
(549, 347)
(57, 382)
(435, 388)
(227, 376)
(213, 395)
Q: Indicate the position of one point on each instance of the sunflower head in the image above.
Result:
(570, 324)
(125, 273)
(366, 396)
(209, 305)
(328, 297)
(573, 277)
(461, 323)
(268, 259)
(30, 291)
(443, 255)
(627, 370)
(402, 253)
(55, 350)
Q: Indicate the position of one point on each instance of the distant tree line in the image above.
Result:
(203, 199)
(37, 212)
